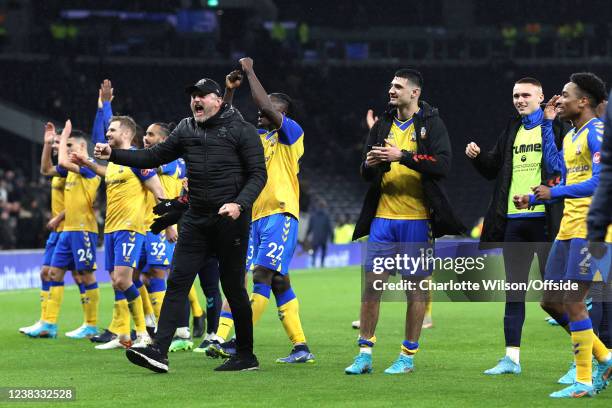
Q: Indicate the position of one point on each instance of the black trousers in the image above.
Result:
(315, 249)
(524, 238)
(201, 235)
(209, 281)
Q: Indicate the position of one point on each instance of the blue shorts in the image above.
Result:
(50, 247)
(156, 252)
(569, 259)
(272, 241)
(403, 239)
(122, 248)
(601, 267)
(75, 250)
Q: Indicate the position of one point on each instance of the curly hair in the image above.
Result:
(591, 87)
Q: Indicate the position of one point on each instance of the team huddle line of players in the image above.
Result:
(406, 155)
(138, 250)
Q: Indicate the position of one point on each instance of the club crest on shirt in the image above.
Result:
(596, 157)
(423, 133)
(578, 150)
(413, 136)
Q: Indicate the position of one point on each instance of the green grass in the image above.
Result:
(467, 338)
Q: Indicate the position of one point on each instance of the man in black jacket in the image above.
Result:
(516, 163)
(600, 214)
(406, 155)
(599, 235)
(226, 171)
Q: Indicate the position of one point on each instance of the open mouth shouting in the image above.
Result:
(198, 109)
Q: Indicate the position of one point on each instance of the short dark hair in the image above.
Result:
(529, 80)
(592, 86)
(411, 75)
(284, 99)
(166, 128)
(138, 136)
(78, 134)
(126, 121)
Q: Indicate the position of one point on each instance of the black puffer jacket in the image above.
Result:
(496, 164)
(600, 214)
(224, 158)
(432, 159)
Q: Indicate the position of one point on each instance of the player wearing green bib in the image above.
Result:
(515, 162)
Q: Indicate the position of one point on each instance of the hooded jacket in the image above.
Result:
(432, 159)
(496, 164)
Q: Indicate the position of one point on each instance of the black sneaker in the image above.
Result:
(151, 331)
(235, 363)
(149, 357)
(199, 325)
(104, 337)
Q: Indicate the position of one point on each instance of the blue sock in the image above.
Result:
(157, 285)
(209, 280)
(131, 293)
(596, 315)
(605, 328)
(285, 297)
(92, 286)
(564, 320)
(45, 285)
(514, 318)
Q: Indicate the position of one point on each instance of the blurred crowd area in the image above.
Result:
(24, 208)
(315, 30)
(53, 71)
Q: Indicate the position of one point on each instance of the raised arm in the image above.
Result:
(162, 153)
(104, 112)
(553, 157)
(259, 94)
(232, 82)
(46, 164)
(62, 156)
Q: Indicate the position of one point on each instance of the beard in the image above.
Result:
(207, 113)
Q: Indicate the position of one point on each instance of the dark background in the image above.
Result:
(335, 59)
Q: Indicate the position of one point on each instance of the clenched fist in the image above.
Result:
(472, 150)
(102, 151)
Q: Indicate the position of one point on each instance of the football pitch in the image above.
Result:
(466, 339)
